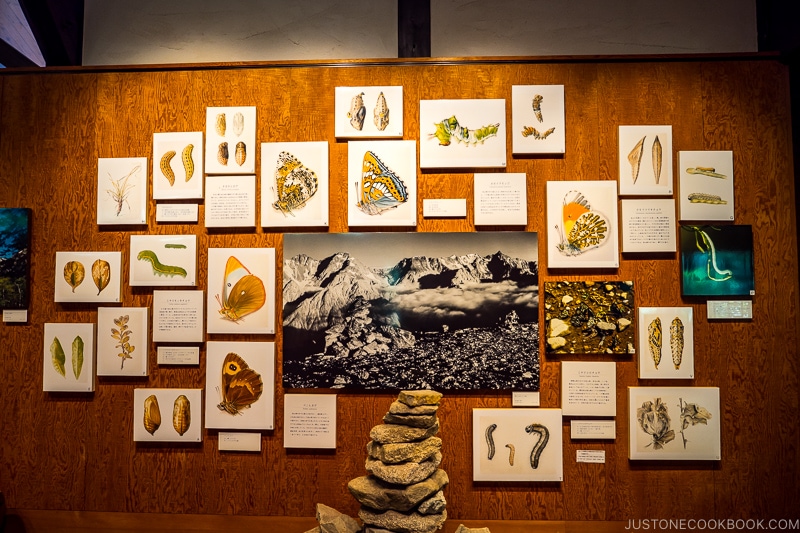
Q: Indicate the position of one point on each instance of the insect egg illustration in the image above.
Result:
(380, 188)
(220, 126)
(582, 229)
(152, 414)
(294, 184)
(241, 385)
(222, 154)
(381, 113)
(241, 153)
(242, 292)
(181, 414)
(358, 111)
(238, 124)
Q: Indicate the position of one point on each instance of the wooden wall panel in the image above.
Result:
(75, 451)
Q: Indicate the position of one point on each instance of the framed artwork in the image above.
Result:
(241, 290)
(383, 183)
(88, 276)
(674, 423)
(537, 118)
(122, 190)
(178, 165)
(122, 337)
(717, 260)
(501, 198)
(666, 343)
(230, 140)
(648, 225)
(294, 184)
(15, 242)
(462, 133)
(386, 116)
(582, 224)
(406, 310)
(589, 317)
(706, 180)
(163, 260)
(517, 445)
(230, 202)
(151, 414)
(240, 385)
(645, 160)
(69, 357)
(178, 316)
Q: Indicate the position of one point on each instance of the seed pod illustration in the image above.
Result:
(188, 163)
(166, 168)
(241, 153)
(101, 274)
(654, 340)
(635, 159)
(676, 341)
(152, 414)
(657, 155)
(220, 125)
(181, 415)
(222, 154)
(74, 274)
(238, 124)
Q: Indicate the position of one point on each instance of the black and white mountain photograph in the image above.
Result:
(447, 311)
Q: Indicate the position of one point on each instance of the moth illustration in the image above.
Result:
(381, 189)
(295, 184)
(242, 292)
(582, 229)
(241, 385)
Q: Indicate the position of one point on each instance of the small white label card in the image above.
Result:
(444, 207)
(524, 399)
(178, 316)
(310, 421)
(730, 309)
(239, 441)
(648, 225)
(501, 199)
(590, 456)
(592, 429)
(15, 315)
(178, 355)
(588, 388)
(230, 201)
(176, 213)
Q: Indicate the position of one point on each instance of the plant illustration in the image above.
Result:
(692, 414)
(123, 337)
(121, 189)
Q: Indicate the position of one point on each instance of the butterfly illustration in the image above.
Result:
(295, 184)
(583, 229)
(242, 292)
(380, 189)
(241, 385)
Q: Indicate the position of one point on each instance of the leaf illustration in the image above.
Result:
(77, 356)
(101, 274)
(58, 356)
(74, 273)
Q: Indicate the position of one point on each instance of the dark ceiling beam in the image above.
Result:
(413, 28)
(57, 26)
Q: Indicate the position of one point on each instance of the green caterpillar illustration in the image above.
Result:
(159, 268)
(172, 245)
(450, 129)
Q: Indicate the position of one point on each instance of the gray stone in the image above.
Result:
(315, 530)
(433, 505)
(404, 451)
(377, 530)
(332, 521)
(394, 433)
(403, 523)
(464, 529)
(414, 421)
(413, 398)
(406, 473)
(376, 494)
(399, 408)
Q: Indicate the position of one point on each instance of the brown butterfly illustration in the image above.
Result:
(241, 385)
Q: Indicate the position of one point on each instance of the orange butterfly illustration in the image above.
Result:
(583, 229)
(241, 385)
(242, 292)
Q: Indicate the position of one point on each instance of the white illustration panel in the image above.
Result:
(462, 133)
(167, 415)
(230, 140)
(122, 190)
(163, 260)
(230, 201)
(240, 385)
(537, 118)
(645, 160)
(706, 180)
(582, 224)
(88, 276)
(382, 178)
(666, 343)
(69, 357)
(294, 184)
(177, 165)
(368, 112)
(517, 445)
(122, 341)
(674, 423)
(241, 290)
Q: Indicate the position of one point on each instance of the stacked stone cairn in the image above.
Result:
(403, 491)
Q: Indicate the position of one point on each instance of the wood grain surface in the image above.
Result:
(75, 452)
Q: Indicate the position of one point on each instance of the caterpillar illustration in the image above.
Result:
(490, 440)
(166, 169)
(539, 136)
(511, 451)
(537, 107)
(705, 198)
(449, 129)
(188, 164)
(538, 448)
(159, 268)
(173, 245)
